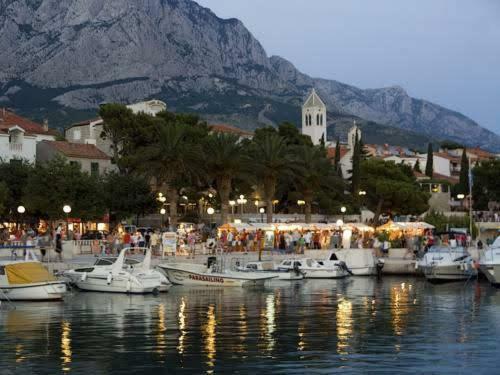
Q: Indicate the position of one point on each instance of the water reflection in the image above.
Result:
(210, 337)
(182, 326)
(362, 321)
(66, 352)
(344, 325)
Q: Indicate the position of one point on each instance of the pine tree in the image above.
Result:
(416, 168)
(429, 167)
(322, 141)
(464, 173)
(336, 162)
(356, 172)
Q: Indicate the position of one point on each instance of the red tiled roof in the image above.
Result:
(481, 154)
(224, 128)
(9, 119)
(447, 156)
(84, 122)
(436, 176)
(331, 152)
(77, 150)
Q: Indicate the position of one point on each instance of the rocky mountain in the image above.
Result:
(63, 58)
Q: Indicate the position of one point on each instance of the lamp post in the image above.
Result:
(67, 210)
(343, 210)
(232, 203)
(241, 201)
(21, 210)
(262, 211)
(301, 203)
(210, 212)
(256, 205)
(163, 211)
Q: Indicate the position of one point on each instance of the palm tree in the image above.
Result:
(313, 172)
(223, 162)
(269, 160)
(171, 160)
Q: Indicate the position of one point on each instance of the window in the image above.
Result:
(94, 169)
(444, 188)
(77, 134)
(2, 270)
(310, 120)
(317, 119)
(74, 163)
(321, 119)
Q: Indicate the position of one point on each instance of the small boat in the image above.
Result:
(212, 274)
(314, 269)
(119, 275)
(489, 263)
(270, 269)
(361, 262)
(446, 264)
(29, 280)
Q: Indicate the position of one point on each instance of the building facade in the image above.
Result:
(87, 156)
(19, 137)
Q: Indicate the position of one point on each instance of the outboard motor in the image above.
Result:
(344, 267)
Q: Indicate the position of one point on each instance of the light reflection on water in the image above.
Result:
(359, 324)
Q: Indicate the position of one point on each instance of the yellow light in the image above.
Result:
(66, 346)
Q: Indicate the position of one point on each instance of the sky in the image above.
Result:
(445, 51)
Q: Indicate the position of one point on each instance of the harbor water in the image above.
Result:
(356, 325)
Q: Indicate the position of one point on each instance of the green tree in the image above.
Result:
(52, 185)
(268, 161)
(356, 169)
(429, 166)
(314, 175)
(224, 161)
(172, 160)
(416, 168)
(14, 175)
(4, 197)
(463, 182)
(118, 122)
(486, 188)
(392, 188)
(126, 195)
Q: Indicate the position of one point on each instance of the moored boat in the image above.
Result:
(118, 275)
(314, 269)
(361, 262)
(489, 263)
(446, 264)
(270, 269)
(29, 280)
(191, 274)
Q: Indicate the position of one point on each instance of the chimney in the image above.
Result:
(46, 125)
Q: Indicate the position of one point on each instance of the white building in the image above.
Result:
(19, 137)
(150, 107)
(314, 118)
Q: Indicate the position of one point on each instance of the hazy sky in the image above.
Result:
(445, 51)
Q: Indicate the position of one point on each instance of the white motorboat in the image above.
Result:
(29, 280)
(489, 263)
(361, 262)
(445, 264)
(191, 274)
(314, 269)
(119, 275)
(270, 269)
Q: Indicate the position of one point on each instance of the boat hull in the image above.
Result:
(191, 278)
(448, 273)
(324, 274)
(117, 285)
(492, 273)
(47, 291)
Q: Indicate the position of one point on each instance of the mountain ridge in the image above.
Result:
(80, 53)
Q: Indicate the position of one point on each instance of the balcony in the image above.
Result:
(16, 147)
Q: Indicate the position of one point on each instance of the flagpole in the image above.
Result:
(470, 198)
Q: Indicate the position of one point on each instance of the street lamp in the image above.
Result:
(162, 213)
(210, 211)
(262, 210)
(362, 193)
(460, 196)
(67, 210)
(301, 203)
(232, 203)
(343, 210)
(21, 209)
(241, 201)
(256, 205)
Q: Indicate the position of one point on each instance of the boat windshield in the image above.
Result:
(110, 261)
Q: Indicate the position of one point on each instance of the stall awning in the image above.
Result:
(27, 273)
